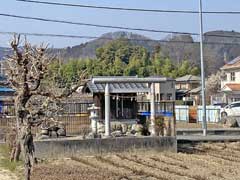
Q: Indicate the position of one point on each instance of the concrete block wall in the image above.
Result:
(69, 148)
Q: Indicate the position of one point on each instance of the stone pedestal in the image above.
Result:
(94, 117)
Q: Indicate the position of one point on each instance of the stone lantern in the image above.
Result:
(94, 117)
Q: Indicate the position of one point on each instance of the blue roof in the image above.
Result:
(6, 89)
(234, 60)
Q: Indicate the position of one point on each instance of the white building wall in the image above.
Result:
(228, 77)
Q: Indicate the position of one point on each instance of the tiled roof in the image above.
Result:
(188, 78)
(182, 91)
(123, 84)
(233, 86)
(196, 90)
(235, 63)
(118, 87)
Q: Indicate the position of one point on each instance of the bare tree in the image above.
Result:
(34, 104)
(213, 83)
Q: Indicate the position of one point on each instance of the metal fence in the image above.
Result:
(7, 122)
(212, 113)
(165, 108)
(76, 124)
(75, 118)
(7, 109)
(182, 113)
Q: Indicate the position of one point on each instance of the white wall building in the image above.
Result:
(230, 83)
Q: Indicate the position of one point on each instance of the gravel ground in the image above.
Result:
(204, 162)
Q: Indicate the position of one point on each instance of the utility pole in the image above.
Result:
(204, 122)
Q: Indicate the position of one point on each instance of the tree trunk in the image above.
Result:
(27, 147)
(17, 144)
(14, 145)
(17, 150)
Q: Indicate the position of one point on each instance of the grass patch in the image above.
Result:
(5, 160)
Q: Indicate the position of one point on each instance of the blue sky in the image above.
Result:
(172, 22)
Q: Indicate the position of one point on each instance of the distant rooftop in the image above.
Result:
(188, 78)
(196, 90)
(231, 87)
(6, 89)
(161, 76)
(235, 63)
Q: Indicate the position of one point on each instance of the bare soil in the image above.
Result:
(185, 125)
(7, 175)
(204, 162)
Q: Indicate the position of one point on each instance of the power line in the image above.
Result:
(129, 9)
(108, 38)
(49, 35)
(95, 25)
(106, 7)
(113, 27)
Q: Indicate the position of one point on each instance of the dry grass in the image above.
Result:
(9, 170)
(208, 161)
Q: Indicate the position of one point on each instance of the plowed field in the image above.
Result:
(206, 161)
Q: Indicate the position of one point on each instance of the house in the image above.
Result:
(230, 83)
(195, 95)
(164, 91)
(7, 95)
(188, 89)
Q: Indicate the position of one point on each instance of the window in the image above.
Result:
(183, 86)
(224, 77)
(178, 86)
(235, 105)
(169, 96)
(233, 76)
(161, 96)
(194, 85)
(236, 99)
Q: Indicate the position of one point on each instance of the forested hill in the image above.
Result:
(88, 49)
(215, 53)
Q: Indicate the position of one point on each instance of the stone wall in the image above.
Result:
(69, 148)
